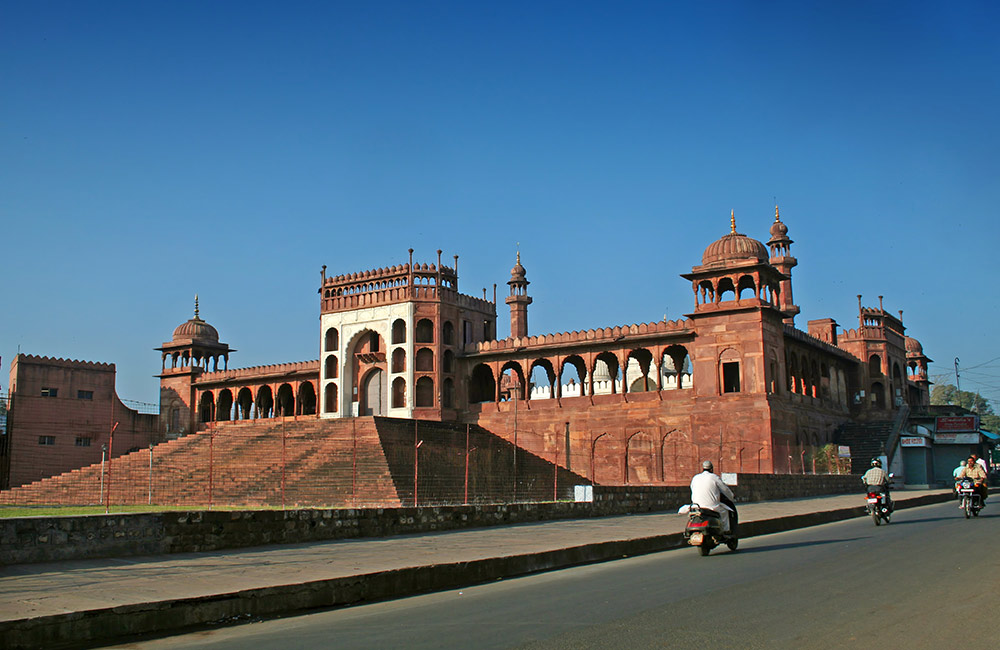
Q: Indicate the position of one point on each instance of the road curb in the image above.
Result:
(102, 626)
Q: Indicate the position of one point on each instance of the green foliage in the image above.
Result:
(947, 394)
(943, 394)
(827, 462)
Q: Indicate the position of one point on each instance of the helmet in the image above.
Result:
(707, 466)
(876, 462)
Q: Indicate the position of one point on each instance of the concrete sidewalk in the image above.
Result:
(68, 603)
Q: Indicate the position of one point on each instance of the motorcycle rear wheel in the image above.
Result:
(975, 512)
(704, 550)
(733, 544)
(877, 518)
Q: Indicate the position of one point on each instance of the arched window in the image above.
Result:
(399, 360)
(205, 407)
(331, 366)
(398, 331)
(874, 366)
(307, 399)
(425, 331)
(398, 393)
(425, 360)
(447, 392)
(448, 333)
(332, 340)
(425, 392)
(448, 362)
(729, 367)
(330, 399)
(482, 385)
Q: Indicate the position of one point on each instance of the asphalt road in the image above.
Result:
(927, 580)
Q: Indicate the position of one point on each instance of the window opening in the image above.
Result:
(731, 377)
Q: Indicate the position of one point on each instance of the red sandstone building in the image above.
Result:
(62, 414)
(735, 380)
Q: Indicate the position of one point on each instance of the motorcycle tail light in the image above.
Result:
(697, 524)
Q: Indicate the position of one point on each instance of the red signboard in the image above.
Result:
(957, 423)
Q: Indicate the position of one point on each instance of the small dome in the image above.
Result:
(913, 346)
(778, 230)
(517, 271)
(734, 247)
(196, 329)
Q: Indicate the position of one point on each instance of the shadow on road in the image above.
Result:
(924, 520)
(778, 547)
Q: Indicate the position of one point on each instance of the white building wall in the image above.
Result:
(350, 326)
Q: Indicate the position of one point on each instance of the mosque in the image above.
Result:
(735, 379)
(734, 374)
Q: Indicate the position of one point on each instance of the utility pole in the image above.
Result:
(958, 385)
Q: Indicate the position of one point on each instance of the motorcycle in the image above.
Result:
(704, 530)
(970, 501)
(879, 507)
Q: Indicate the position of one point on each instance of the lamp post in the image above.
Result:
(416, 464)
(150, 473)
(104, 453)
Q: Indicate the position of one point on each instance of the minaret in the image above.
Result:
(781, 259)
(518, 300)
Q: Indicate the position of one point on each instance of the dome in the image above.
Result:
(517, 271)
(198, 329)
(734, 247)
(778, 229)
(913, 346)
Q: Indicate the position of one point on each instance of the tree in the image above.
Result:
(948, 394)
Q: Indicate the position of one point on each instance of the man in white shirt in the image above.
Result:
(707, 491)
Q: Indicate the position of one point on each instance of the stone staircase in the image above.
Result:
(359, 462)
(305, 463)
(867, 440)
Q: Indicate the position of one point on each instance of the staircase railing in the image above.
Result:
(894, 433)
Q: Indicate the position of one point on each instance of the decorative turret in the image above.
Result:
(734, 274)
(518, 300)
(781, 259)
(194, 346)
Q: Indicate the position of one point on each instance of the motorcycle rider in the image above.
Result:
(876, 480)
(974, 471)
(710, 493)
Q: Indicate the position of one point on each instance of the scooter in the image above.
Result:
(879, 506)
(970, 501)
(704, 530)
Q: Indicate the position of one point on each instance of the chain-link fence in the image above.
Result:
(365, 462)
(361, 462)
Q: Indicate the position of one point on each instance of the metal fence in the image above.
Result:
(361, 462)
(293, 464)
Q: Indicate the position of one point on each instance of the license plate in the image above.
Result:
(872, 500)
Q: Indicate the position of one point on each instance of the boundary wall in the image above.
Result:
(26, 540)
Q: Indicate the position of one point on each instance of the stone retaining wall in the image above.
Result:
(45, 539)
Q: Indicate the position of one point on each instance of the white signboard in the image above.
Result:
(914, 441)
(583, 492)
(956, 438)
(843, 451)
(729, 478)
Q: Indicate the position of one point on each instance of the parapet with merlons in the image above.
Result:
(394, 284)
(260, 372)
(642, 330)
(65, 363)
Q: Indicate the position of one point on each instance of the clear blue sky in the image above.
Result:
(152, 151)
